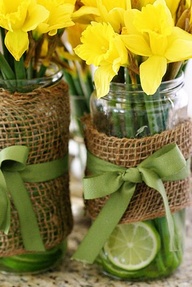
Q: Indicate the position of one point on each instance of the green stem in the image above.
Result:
(29, 71)
(129, 117)
(77, 85)
(6, 70)
(129, 110)
(173, 70)
(6, 54)
(69, 80)
(20, 69)
(77, 93)
(141, 127)
(89, 85)
(42, 71)
(155, 113)
(86, 84)
(116, 121)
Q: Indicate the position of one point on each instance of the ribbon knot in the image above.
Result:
(166, 164)
(132, 174)
(13, 173)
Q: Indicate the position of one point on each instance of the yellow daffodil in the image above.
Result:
(102, 47)
(73, 34)
(85, 12)
(60, 12)
(173, 5)
(158, 40)
(96, 41)
(71, 38)
(113, 12)
(18, 17)
(104, 11)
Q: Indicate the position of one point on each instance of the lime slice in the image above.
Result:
(132, 246)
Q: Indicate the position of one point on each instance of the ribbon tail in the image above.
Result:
(156, 183)
(5, 208)
(5, 225)
(169, 218)
(104, 224)
(29, 227)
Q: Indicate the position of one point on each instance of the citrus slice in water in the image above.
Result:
(132, 246)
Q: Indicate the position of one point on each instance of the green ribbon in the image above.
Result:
(13, 173)
(166, 164)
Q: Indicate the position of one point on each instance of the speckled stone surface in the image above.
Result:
(75, 274)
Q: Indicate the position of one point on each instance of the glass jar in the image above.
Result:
(128, 112)
(140, 250)
(39, 119)
(52, 76)
(34, 263)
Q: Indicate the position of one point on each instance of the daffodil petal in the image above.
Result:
(17, 43)
(137, 44)
(151, 73)
(158, 43)
(110, 5)
(173, 6)
(129, 16)
(60, 14)
(37, 15)
(73, 34)
(112, 15)
(85, 14)
(179, 46)
(118, 52)
(102, 77)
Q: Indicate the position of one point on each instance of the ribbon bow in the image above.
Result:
(166, 164)
(13, 174)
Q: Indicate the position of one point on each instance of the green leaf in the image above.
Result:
(20, 69)
(6, 70)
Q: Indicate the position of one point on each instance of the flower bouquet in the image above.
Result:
(138, 136)
(35, 115)
(30, 34)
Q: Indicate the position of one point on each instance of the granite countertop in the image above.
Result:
(76, 274)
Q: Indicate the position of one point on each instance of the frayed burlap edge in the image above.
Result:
(146, 202)
(40, 120)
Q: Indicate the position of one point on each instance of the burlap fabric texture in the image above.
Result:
(39, 120)
(146, 202)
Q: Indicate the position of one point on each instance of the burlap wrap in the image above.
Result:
(39, 120)
(146, 202)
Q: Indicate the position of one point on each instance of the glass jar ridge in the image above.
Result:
(53, 75)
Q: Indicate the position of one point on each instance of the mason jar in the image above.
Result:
(138, 249)
(35, 114)
(128, 112)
